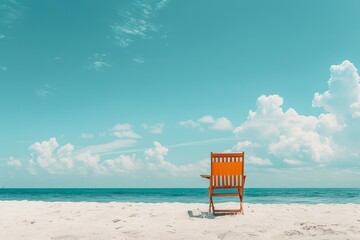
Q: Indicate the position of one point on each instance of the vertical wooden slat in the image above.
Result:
(222, 176)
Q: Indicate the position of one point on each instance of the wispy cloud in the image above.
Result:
(46, 91)
(10, 12)
(138, 60)
(87, 135)
(177, 145)
(154, 129)
(191, 124)
(98, 62)
(111, 147)
(136, 21)
(124, 130)
(12, 162)
(222, 123)
(207, 141)
(3, 68)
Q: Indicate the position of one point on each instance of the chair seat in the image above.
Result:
(225, 194)
(228, 210)
(227, 187)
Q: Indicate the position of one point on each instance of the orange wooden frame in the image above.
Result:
(227, 172)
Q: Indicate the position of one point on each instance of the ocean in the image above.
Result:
(183, 195)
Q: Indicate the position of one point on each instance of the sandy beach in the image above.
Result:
(90, 220)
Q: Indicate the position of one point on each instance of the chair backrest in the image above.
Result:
(227, 170)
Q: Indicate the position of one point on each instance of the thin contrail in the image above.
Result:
(215, 140)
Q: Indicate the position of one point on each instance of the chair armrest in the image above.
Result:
(205, 176)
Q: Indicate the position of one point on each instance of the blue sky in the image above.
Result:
(138, 93)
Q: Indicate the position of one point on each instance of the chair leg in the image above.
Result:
(212, 204)
(241, 200)
(210, 200)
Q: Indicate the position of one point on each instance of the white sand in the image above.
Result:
(66, 220)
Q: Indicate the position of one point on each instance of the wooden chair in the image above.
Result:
(227, 172)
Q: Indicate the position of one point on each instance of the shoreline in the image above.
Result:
(129, 220)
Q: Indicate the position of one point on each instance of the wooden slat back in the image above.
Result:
(227, 169)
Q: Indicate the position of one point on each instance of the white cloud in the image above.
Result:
(156, 162)
(55, 159)
(155, 129)
(124, 130)
(136, 22)
(285, 133)
(100, 65)
(3, 68)
(161, 4)
(90, 161)
(190, 124)
(123, 163)
(159, 152)
(46, 91)
(292, 162)
(44, 154)
(258, 161)
(10, 12)
(343, 96)
(271, 132)
(206, 119)
(97, 62)
(87, 135)
(221, 123)
(12, 162)
(203, 142)
(64, 154)
(2, 36)
(216, 124)
(241, 146)
(138, 60)
(42, 92)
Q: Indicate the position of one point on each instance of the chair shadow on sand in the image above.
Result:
(207, 215)
(198, 214)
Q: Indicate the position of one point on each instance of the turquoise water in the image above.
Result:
(184, 195)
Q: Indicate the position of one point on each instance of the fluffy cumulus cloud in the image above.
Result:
(274, 135)
(49, 156)
(282, 134)
(55, 159)
(158, 152)
(156, 161)
(222, 123)
(87, 161)
(343, 96)
(123, 163)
